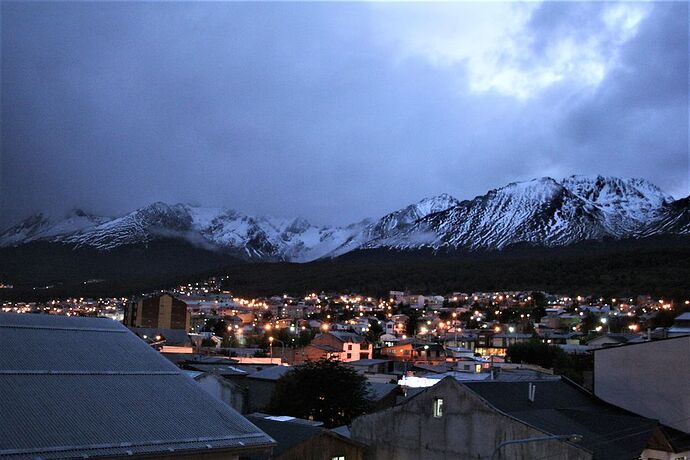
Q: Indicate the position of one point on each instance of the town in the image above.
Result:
(425, 362)
(344, 230)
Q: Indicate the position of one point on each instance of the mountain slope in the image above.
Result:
(541, 212)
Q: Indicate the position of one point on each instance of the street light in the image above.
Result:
(553, 437)
(282, 351)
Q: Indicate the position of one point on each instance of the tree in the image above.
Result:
(535, 352)
(324, 390)
(589, 322)
(229, 340)
(551, 357)
(375, 331)
(539, 309)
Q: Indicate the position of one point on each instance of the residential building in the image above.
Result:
(344, 346)
(479, 420)
(225, 390)
(305, 440)
(261, 386)
(681, 326)
(161, 311)
(614, 340)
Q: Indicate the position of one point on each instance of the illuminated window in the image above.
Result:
(342, 457)
(438, 407)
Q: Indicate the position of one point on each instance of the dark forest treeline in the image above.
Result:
(613, 271)
(659, 266)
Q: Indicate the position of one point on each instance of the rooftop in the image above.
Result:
(88, 387)
(347, 336)
(290, 432)
(271, 373)
(563, 408)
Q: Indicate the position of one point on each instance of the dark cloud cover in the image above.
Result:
(303, 109)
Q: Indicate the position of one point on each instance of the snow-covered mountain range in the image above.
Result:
(542, 212)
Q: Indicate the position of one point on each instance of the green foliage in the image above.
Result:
(535, 352)
(324, 390)
(229, 340)
(550, 357)
(589, 322)
(375, 331)
(664, 318)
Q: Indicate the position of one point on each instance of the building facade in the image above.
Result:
(163, 311)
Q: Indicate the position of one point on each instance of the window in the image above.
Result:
(349, 355)
(438, 407)
(349, 346)
(342, 457)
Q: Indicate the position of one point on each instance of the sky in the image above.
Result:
(332, 111)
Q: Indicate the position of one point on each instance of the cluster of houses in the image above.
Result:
(74, 387)
(157, 385)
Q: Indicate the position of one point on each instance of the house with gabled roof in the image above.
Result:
(344, 346)
(545, 419)
(300, 439)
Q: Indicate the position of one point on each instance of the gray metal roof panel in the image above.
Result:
(75, 349)
(68, 391)
(287, 434)
(271, 373)
(380, 390)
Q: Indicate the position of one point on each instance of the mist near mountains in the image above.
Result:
(542, 212)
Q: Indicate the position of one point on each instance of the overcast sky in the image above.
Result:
(332, 111)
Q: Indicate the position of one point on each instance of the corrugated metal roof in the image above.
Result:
(74, 387)
(380, 390)
(288, 434)
(271, 373)
(218, 369)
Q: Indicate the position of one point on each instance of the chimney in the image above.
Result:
(531, 390)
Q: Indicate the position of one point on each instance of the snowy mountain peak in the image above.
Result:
(543, 211)
(435, 204)
(601, 188)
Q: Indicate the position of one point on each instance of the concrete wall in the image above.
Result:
(226, 391)
(651, 379)
(468, 429)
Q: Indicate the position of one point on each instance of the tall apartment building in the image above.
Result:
(163, 311)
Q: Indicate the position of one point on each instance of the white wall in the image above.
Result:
(651, 379)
